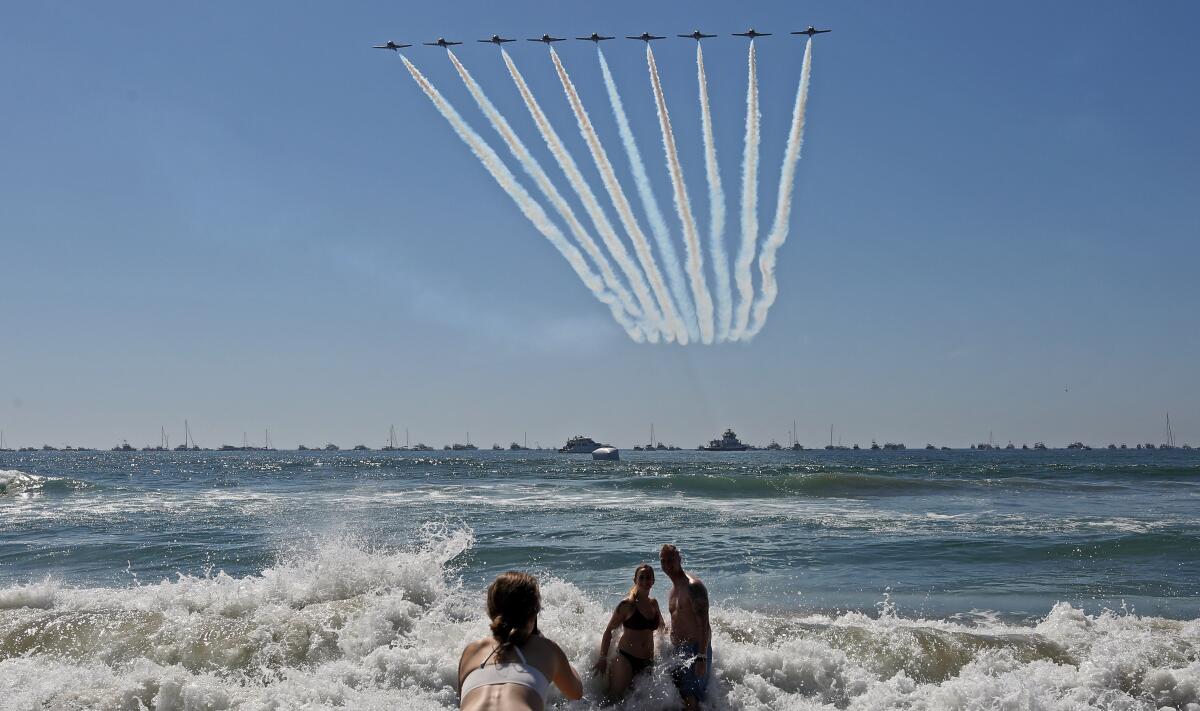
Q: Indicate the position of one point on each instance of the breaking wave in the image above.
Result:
(346, 625)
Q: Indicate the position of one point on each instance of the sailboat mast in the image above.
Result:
(831, 435)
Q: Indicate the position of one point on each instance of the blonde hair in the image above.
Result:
(633, 590)
(513, 599)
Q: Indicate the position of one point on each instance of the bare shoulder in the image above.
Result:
(696, 588)
(469, 653)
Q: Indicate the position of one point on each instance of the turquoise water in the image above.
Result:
(877, 579)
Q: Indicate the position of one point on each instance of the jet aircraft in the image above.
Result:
(441, 42)
(496, 40)
(390, 45)
(547, 39)
(645, 37)
(594, 38)
(811, 31)
(751, 33)
(696, 35)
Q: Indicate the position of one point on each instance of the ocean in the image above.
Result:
(840, 580)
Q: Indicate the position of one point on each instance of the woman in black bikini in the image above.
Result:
(638, 614)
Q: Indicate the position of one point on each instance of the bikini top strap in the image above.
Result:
(497, 649)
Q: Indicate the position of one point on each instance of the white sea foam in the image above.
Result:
(15, 482)
(347, 626)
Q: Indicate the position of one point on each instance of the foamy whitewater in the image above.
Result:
(906, 580)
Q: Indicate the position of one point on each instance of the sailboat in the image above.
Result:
(267, 446)
(1170, 435)
(163, 444)
(187, 436)
(3, 445)
(391, 445)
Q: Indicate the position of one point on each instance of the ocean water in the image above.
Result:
(840, 580)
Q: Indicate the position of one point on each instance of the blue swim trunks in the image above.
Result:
(683, 671)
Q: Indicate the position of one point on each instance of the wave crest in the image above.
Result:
(343, 625)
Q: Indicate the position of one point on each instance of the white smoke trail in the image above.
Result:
(528, 206)
(658, 225)
(783, 206)
(716, 207)
(641, 246)
(695, 259)
(745, 257)
(534, 170)
(590, 204)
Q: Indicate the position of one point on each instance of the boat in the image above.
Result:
(892, 446)
(3, 446)
(515, 447)
(728, 443)
(774, 445)
(875, 446)
(331, 447)
(420, 447)
(580, 445)
(187, 436)
(930, 446)
(391, 445)
(361, 448)
(610, 454)
(1170, 435)
(1039, 445)
(123, 447)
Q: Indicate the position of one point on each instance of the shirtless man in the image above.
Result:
(691, 633)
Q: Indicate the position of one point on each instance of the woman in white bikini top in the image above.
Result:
(513, 669)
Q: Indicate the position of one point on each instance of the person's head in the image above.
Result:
(513, 602)
(671, 560)
(643, 580)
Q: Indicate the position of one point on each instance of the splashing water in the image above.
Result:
(534, 170)
(745, 257)
(343, 625)
(716, 206)
(691, 240)
(641, 245)
(658, 225)
(783, 205)
(525, 202)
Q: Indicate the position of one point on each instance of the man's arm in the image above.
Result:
(699, 595)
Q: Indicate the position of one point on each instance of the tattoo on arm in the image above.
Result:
(699, 595)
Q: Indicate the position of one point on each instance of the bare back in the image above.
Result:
(540, 653)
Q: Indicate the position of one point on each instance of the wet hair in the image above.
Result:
(670, 550)
(633, 590)
(513, 599)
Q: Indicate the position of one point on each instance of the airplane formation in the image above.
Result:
(597, 38)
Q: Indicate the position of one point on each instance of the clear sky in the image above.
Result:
(239, 214)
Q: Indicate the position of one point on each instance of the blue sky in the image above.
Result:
(242, 215)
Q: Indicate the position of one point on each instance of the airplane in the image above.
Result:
(547, 39)
(496, 40)
(811, 31)
(594, 37)
(390, 45)
(751, 33)
(645, 37)
(441, 42)
(696, 35)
